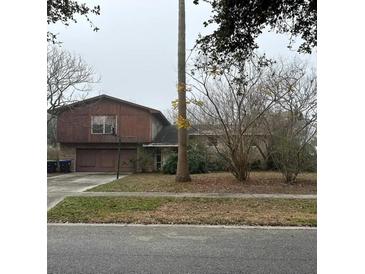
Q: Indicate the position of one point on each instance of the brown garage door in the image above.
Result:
(105, 160)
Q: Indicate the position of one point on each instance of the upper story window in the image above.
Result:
(103, 124)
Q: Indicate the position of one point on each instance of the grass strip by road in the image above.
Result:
(220, 182)
(165, 210)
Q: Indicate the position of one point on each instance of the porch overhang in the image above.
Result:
(159, 145)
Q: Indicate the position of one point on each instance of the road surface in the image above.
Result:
(179, 249)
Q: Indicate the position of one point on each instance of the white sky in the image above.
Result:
(135, 50)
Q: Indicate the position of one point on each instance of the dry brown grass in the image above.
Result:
(185, 211)
(224, 182)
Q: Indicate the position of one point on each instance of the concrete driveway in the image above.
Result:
(60, 186)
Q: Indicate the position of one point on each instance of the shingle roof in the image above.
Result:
(167, 135)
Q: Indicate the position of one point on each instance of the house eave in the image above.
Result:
(159, 145)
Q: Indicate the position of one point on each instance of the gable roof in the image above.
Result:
(168, 137)
(158, 114)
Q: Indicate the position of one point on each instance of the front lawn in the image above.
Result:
(223, 211)
(224, 182)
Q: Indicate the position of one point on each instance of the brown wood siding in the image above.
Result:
(133, 123)
(105, 160)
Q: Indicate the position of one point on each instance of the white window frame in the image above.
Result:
(104, 116)
(156, 162)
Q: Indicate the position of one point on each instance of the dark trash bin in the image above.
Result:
(65, 165)
(51, 166)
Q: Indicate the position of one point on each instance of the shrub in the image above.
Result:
(170, 164)
(256, 165)
(196, 161)
(291, 157)
(270, 165)
(145, 160)
(216, 163)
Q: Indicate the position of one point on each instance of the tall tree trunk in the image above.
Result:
(182, 173)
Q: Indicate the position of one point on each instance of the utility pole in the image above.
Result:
(182, 172)
(119, 142)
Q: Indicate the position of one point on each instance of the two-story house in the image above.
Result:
(89, 132)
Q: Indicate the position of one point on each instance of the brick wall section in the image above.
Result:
(133, 123)
(68, 152)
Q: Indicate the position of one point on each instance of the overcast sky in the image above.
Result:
(135, 50)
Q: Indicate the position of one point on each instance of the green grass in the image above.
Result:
(224, 182)
(165, 210)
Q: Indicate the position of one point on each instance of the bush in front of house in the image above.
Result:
(291, 156)
(196, 161)
(256, 165)
(144, 160)
(216, 163)
(170, 164)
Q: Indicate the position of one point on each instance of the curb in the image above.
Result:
(196, 195)
(187, 226)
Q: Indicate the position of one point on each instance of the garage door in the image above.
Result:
(105, 160)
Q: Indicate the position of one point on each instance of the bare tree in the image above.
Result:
(69, 79)
(292, 124)
(231, 101)
(182, 173)
(171, 115)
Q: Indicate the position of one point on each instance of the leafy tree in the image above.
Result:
(241, 22)
(64, 11)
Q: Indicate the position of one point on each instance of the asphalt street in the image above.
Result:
(179, 249)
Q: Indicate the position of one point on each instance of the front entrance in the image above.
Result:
(105, 160)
